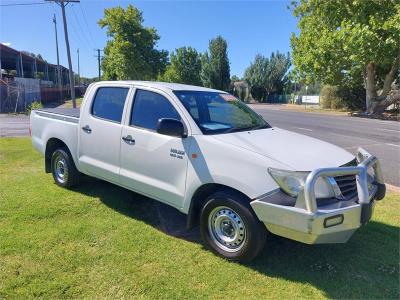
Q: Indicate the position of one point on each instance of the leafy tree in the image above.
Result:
(235, 78)
(350, 44)
(170, 75)
(277, 72)
(215, 72)
(130, 53)
(185, 67)
(267, 75)
(240, 89)
(256, 76)
(206, 70)
(313, 88)
(236, 87)
(87, 81)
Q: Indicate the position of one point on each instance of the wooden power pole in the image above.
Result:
(64, 3)
(79, 71)
(58, 58)
(99, 61)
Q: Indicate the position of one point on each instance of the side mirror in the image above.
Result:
(171, 127)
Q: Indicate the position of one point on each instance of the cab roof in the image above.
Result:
(165, 86)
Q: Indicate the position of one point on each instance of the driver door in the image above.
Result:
(151, 163)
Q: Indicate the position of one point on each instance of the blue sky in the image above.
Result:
(249, 27)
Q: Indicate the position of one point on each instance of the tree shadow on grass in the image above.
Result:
(365, 267)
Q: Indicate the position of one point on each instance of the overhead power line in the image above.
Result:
(87, 25)
(82, 34)
(21, 4)
(74, 37)
(78, 37)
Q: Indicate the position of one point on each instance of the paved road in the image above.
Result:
(381, 138)
(14, 125)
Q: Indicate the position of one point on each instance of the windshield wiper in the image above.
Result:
(261, 126)
(247, 128)
(236, 129)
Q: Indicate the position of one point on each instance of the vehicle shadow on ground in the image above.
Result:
(161, 216)
(366, 267)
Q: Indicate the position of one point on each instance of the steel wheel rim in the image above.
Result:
(61, 169)
(226, 229)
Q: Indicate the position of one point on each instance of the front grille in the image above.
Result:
(347, 185)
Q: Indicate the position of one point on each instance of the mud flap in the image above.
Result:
(366, 212)
(380, 194)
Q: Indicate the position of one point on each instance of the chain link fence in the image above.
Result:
(16, 94)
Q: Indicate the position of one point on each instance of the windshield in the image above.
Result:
(220, 113)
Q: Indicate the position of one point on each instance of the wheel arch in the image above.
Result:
(199, 197)
(51, 145)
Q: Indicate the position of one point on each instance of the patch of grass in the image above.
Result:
(100, 240)
(316, 109)
(309, 108)
(68, 103)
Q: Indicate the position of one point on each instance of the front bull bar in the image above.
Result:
(365, 161)
(308, 223)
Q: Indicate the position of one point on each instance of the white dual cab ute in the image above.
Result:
(210, 156)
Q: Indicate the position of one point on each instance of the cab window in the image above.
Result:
(149, 107)
(109, 103)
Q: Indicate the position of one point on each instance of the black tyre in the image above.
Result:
(230, 228)
(63, 168)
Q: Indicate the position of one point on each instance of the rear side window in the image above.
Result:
(149, 107)
(109, 103)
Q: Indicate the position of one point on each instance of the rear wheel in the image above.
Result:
(230, 228)
(63, 168)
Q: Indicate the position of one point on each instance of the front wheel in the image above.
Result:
(229, 227)
(63, 168)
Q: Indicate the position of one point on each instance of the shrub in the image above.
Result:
(34, 105)
(353, 97)
(330, 96)
(338, 103)
(335, 97)
(258, 93)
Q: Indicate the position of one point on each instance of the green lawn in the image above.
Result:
(102, 241)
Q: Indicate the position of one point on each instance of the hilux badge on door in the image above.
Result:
(177, 153)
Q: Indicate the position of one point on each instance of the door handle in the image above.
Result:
(87, 129)
(128, 139)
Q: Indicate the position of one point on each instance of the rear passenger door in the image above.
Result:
(100, 132)
(151, 163)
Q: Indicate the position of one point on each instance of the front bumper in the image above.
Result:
(335, 222)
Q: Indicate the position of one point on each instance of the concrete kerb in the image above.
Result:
(393, 188)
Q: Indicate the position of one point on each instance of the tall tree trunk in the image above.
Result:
(370, 87)
(377, 104)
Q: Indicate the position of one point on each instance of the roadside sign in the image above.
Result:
(310, 99)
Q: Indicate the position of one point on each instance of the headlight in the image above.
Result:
(289, 181)
(292, 182)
